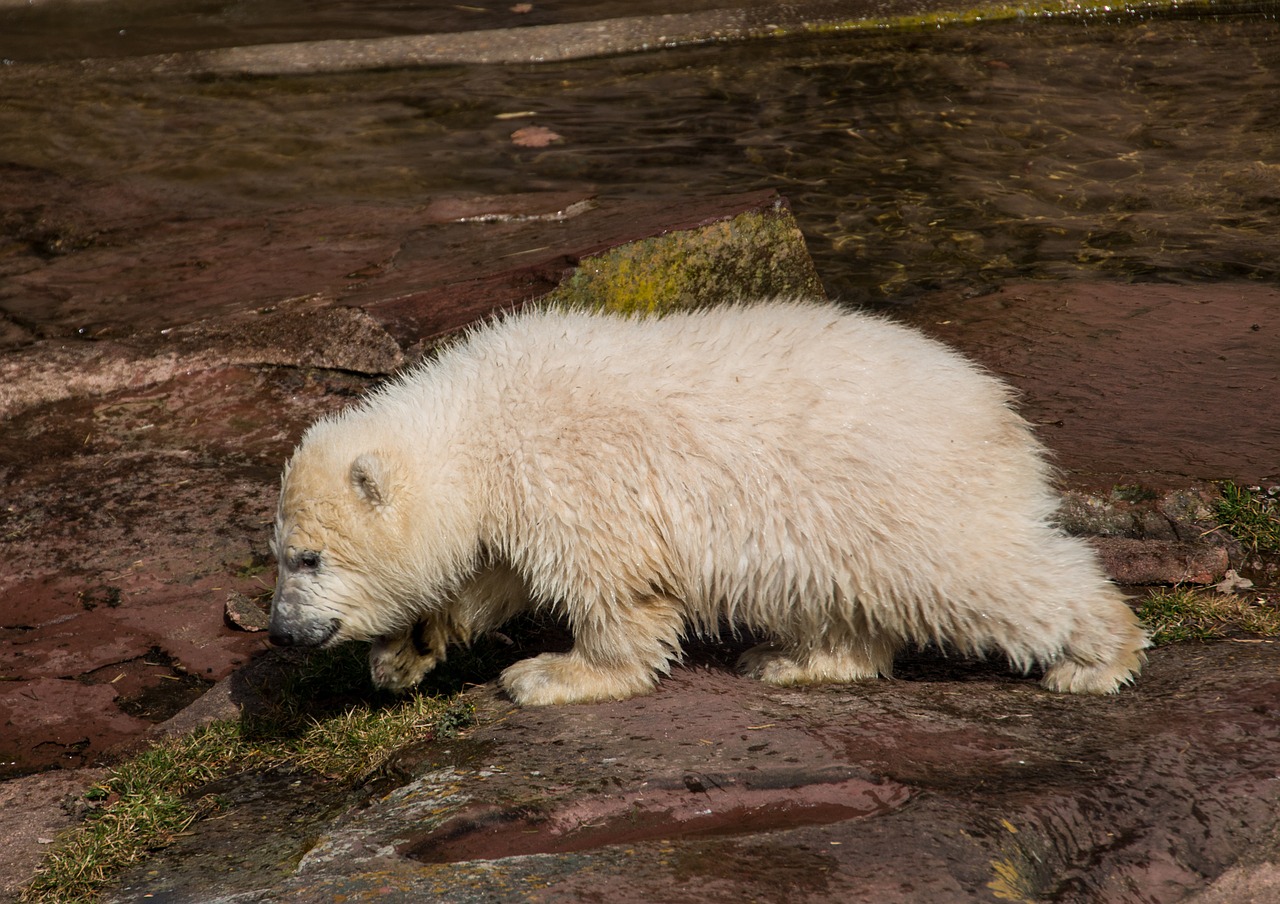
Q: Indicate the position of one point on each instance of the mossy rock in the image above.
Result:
(756, 254)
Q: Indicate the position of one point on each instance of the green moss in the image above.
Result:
(931, 19)
(254, 565)
(1132, 493)
(755, 254)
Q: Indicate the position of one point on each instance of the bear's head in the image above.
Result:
(367, 540)
(328, 519)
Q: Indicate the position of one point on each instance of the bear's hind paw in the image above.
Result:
(1068, 676)
(774, 665)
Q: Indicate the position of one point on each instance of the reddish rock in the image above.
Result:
(33, 810)
(245, 613)
(1130, 561)
(956, 782)
(61, 722)
(1152, 384)
(128, 519)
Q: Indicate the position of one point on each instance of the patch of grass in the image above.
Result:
(1178, 614)
(1252, 517)
(141, 807)
(358, 742)
(146, 802)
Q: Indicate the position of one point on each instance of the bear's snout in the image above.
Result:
(281, 638)
(289, 626)
(310, 635)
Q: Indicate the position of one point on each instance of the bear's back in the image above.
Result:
(780, 371)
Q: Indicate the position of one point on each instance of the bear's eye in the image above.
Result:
(308, 560)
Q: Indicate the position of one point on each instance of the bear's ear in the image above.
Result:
(371, 478)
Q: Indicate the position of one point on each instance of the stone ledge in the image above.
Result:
(665, 27)
(1130, 561)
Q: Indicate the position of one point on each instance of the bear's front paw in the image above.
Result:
(568, 678)
(396, 664)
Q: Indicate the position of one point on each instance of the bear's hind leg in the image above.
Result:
(613, 658)
(858, 659)
(1103, 654)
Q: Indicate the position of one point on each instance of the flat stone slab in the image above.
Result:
(33, 810)
(955, 782)
(99, 266)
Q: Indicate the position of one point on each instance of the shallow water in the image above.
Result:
(1144, 148)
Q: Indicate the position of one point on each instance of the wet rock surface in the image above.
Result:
(1165, 382)
(129, 519)
(256, 42)
(141, 470)
(33, 810)
(956, 781)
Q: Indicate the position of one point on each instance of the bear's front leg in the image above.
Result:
(570, 678)
(399, 662)
(618, 653)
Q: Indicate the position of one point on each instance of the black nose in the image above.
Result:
(282, 638)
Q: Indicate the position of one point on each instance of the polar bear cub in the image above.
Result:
(833, 482)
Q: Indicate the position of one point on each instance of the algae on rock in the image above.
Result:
(758, 253)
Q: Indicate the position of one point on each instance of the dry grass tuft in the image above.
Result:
(1180, 614)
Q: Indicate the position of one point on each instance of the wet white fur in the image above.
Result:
(838, 483)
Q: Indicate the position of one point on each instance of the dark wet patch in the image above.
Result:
(703, 806)
(163, 691)
(773, 872)
(456, 753)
